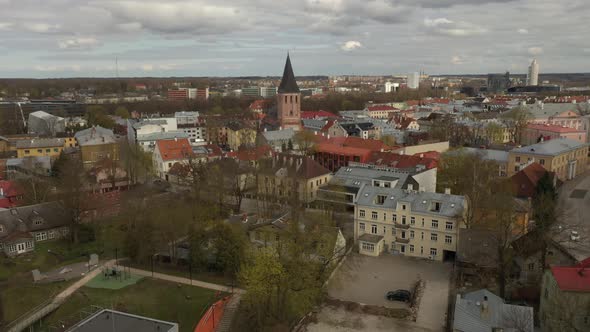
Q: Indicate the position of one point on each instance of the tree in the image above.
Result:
(137, 162)
(122, 112)
(290, 145)
(545, 213)
(515, 121)
(388, 140)
(305, 139)
(494, 132)
(229, 247)
(96, 116)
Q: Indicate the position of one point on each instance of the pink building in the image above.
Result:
(534, 132)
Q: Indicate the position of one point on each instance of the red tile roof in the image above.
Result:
(11, 194)
(552, 128)
(174, 149)
(572, 279)
(525, 181)
(251, 154)
(260, 104)
(328, 125)
(400, 161)
(317, 114)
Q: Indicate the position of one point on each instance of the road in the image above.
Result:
(574, 213)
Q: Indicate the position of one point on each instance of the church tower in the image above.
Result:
(289, 99)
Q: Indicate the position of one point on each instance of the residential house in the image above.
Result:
(535, 133)
(559, 114)
(286, 177)
(365, 130)
(337, 152)
(39, 147)
(148, 141)
(11, 194)
(240, 134)
(169, 152)
(408, 222)
(525, 181)
(403, 122)
(565, 298)
(564, 157)
(483, 311)
(318, 115)
(189, 123)
(97, 143)
(21, 227)
(4, 145)
(279, 139)
(421, 161)
(381, 111)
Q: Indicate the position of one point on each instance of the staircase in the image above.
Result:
(228, 314)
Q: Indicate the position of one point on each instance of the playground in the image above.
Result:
(114, 278)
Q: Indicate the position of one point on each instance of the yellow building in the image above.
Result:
(97, 143)
(39, 147)
(285, 175)
(564, 157)
(238, 135)
(408, 222)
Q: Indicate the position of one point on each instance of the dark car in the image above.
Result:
(399, 295)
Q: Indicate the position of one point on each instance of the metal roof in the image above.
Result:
(551, 147)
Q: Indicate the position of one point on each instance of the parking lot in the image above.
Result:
(366, 280)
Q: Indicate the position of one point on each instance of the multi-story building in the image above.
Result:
(97, 143)
(560, 114)
(188, 122)
(169, 152)
(45, 124)
(565, 298)
(240, 134)
(498, 83)
(267, 92)
(337, 152)
(408, 222)
(566, 158)
(413, 81)
(533, 74)
(286, 177)
(533, 133)
(50, 147)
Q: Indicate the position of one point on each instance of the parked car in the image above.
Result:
(399, 295)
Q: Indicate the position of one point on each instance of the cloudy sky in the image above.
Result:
(65, 38)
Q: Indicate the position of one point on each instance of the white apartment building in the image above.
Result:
(408, 222)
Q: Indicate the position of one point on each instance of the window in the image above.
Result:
(373, 229)
(434, 224)
(404, 207)
(433, 237)
(380, 199)
(368, 246)
(38, 221)
(277, 237)
(448, 239)
(394, 218)
(51, 235)
(40, 150)
(412, 220)
(449, 225)
(411, 248)
(362, 226)
(422, 235)
(47, 150)
(516, 168)
(362, 213)
(1, 228)
(403, 220)
(517, 159)
(29, 244)
(374, 215)
(403, 235)
(435, 207)
(27, 151)
(392, 230)
(384, 216)
(384, 230)
(433, 252)
(12, 248)
(546, 293)
(411, 234)
(41, 236)
(542, 161)
(531, 266)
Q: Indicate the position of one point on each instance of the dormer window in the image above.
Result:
(1, 228)
(38, 221)
(380, 199)
(435, 206)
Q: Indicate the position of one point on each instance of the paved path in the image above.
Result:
(43, 310)
(186, 281)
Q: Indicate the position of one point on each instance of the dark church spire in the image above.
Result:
(288, 83)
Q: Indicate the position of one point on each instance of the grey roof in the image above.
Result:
(314, 124)
(22, 219)
(162, 135)
(40, 143)
(44, 115)
(37, 161)
(549, 110)
(470, 315)
(419, 202)
(279, 135)
(371, 238)
(487, 154)
(357, 176)
(112, 320)
(551, 147)
(146, 122)
(478, 247)
(95, 136)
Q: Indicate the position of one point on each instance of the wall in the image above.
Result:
(557, 164)
(411, 150)
(427, 180)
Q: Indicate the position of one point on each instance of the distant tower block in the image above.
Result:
(289, 99)
(533, 74)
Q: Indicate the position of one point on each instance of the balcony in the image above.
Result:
(401, 240)
(402, 226)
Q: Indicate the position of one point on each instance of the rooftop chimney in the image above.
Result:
(485, 308)
(447, 191)
(410, 187)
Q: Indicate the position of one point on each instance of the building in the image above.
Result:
(524, 182)
(112, 320)
(11, 194)
(532, 77)
(97, 143)
(169, 152)
(565, 115)
(21, 227)
(240, 134)
(391, 87)
(565, 298)
(337, 152)
(536, 132)
(286, 177)
(44, 124)
(413, 81)
(189, 123)
(483, 311)
(498, 156)
(148, 141)
(178, 94)
(381, 111)
(279, 139)
(498, 83)
(289, 99)
(564, 157)
(408, 222)
(50, 147)
(268, 91)
(252, 91)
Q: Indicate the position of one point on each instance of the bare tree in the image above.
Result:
(515, 121)
(518, 318)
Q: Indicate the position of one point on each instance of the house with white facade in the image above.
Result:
(169, 152)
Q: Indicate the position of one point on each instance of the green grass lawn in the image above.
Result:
(20, 298)
(182, 271)
(149, 297)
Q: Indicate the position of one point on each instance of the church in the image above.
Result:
(289, 99)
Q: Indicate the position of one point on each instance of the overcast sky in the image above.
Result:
(65, 38)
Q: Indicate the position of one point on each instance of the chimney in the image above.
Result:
(410, 187)
(485, 308)
(447, 191)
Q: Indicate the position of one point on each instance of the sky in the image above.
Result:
(85, 38)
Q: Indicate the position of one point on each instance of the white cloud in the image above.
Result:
(535, 50)
(457, 60)
(78, 43)
(351, 45)
(446, 27)
(168, 66)
(147, 67)
(523, 31)
(41, 27)
(5, 25)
